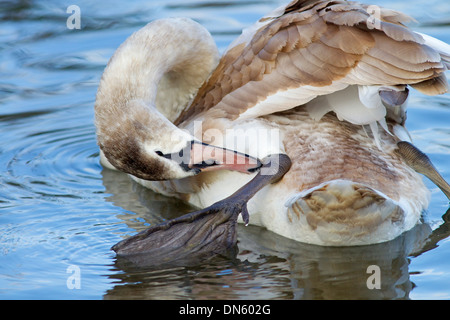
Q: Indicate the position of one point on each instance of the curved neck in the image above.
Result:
(162, 64)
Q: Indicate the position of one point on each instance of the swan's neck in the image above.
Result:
(162, 64)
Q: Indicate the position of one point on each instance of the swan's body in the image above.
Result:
(307, 80)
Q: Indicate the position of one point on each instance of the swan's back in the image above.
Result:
(314, 48)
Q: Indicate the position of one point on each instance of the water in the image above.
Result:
(59, 208)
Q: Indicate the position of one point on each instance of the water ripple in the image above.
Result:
(55, 162)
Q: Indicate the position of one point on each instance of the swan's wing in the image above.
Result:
(314, 48)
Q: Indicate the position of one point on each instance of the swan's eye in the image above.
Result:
(167, 156)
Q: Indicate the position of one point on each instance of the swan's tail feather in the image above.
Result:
(343, 212)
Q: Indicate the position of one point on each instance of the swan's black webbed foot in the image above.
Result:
(203, 233)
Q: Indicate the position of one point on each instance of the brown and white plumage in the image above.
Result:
(313, 48)
(330, 79)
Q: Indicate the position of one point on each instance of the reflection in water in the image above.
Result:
(144, 206)
(266, 266)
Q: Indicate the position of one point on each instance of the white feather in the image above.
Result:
(356, 105)
(288, 99)
(401, 133)
(438, 45)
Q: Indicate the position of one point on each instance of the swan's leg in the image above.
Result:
(205, 232)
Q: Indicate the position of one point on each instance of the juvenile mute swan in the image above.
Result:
(300, 126)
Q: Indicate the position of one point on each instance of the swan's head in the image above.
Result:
(145, 144)
(148, 81)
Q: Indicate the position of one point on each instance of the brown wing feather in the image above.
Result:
(318, 43)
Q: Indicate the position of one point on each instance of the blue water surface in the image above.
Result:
(60, 211)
